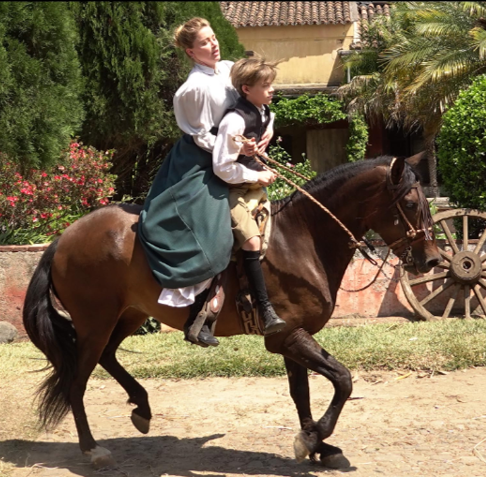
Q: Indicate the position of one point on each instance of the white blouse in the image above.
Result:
(200, 103)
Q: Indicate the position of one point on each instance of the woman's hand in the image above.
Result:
(265, 140)
(249, 148)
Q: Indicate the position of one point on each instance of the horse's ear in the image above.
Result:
(397, 166)
(414, 160)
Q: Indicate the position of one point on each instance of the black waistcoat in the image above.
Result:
(254, 128)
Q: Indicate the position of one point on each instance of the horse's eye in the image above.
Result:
(410, 205)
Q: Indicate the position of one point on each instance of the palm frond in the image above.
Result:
(479, 41)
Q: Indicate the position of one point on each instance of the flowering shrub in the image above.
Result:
(40, 204)
(280, 189)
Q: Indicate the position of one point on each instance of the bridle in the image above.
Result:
(413, 234)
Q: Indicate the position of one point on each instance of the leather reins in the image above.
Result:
(412, 235)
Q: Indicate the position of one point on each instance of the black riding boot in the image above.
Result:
(273, 324)
(205, 338)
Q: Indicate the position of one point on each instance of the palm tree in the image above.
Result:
(425, 54)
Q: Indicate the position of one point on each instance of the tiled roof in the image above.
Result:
(259, 14)
(367, 11)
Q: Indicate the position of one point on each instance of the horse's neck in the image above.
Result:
(312, 234)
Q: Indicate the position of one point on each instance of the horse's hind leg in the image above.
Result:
(302, 352)
(129, 322)
(90, 347)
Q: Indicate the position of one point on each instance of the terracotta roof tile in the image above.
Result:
(253, 14)
(366, 12)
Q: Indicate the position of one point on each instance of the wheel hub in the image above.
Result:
(466, 267)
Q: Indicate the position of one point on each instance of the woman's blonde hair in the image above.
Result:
(185, 34)
(250, 71)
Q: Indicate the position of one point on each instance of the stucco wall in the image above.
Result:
(309, 52)
(17, 264)
(384, 298)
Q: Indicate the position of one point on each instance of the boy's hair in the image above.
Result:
(250, 71)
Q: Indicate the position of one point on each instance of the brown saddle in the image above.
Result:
(245, 304)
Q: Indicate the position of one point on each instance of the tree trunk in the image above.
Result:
(432, 163)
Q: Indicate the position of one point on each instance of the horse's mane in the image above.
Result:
(329, 182)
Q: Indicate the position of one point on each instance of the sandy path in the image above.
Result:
(412, 426)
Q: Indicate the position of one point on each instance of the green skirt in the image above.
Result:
(185, 225)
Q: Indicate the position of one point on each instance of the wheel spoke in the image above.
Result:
(444, 265)
(429, 278)
(465, 232)
(480, 244)
(482, 283)
(438, 291)
(477, 292)
(448, 233)
(451, 301)
(445, 255)
(467, 301)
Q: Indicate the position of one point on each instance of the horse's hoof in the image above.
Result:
(101, 458)
(140, 423)
(335, 461)
(300, 448)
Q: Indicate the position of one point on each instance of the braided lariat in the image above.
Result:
(354, 243)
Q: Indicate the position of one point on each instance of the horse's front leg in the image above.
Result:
(302, 352)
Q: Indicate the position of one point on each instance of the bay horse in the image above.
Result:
(98, 272)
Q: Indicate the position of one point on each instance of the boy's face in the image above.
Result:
(260, 93)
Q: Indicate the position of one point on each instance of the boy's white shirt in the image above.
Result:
(226, 150)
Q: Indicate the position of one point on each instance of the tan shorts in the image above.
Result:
(243, 199)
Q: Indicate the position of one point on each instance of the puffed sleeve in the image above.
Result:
(193, 114)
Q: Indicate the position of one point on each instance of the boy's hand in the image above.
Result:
(265, 140)
(265, 178)
(249, 148)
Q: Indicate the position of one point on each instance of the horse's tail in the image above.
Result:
(55, 336)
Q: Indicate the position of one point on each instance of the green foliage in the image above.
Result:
(120, 58)
(462, 148)
(280, 189)
(358, 138)
(40, 81)
(305, 109)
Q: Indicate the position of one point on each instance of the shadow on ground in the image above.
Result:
(154, 456)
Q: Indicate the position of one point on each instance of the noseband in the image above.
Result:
(413, 234)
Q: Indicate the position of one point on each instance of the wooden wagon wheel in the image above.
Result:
(457, 286)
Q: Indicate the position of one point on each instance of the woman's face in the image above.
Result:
(206, 48)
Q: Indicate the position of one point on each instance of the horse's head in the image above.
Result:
(406, 225)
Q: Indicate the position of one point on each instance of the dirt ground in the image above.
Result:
(393, 425)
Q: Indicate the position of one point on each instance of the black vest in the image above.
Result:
(254, 128)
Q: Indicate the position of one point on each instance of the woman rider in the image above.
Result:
(185, 225)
